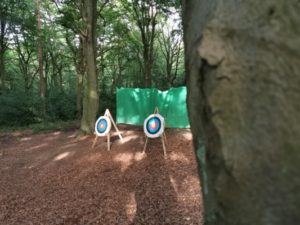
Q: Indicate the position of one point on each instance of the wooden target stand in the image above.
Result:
(163, 137)
(107, 113)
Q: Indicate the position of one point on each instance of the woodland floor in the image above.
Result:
(57, 178)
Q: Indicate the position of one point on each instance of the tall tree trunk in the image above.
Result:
(91, 99)
(2, 52)
(148, 71)
(80, 75)
(243, 99)
(40, 58)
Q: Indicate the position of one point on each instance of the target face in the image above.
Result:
(154, 126)
(102, 126)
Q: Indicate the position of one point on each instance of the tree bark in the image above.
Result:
(91, 99)
(2, 52)
(80, 75)
(243, 100)
(40, 58)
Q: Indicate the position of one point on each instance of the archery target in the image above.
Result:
(102, 126)
(154, 126)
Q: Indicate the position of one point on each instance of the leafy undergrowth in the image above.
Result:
(42, 127)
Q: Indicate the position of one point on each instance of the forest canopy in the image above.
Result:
(45, 58)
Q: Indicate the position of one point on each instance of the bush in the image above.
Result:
(17, 108)
(61, 106)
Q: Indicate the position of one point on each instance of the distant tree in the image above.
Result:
(5, 16)
(170, 41)
(25, 53)
(40, 57)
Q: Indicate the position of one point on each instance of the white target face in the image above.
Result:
(102, 126)
(154, 126)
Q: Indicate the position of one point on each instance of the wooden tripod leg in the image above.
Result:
(108, 142)
(119, 133)
(116, 128)
(145, 146)
(165, 137)
(94, 142)
(164, 146)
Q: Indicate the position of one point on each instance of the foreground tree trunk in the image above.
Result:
(91, 99)
(243, 77)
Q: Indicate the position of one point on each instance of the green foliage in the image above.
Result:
(43, 126)
(56, 125)
(61, 106)
(108, 101)
(17, 109)
(21, 108)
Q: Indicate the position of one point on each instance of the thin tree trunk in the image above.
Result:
(91, 99)
(145, 16)
(2, 52)
(40, 58)
(148, 72)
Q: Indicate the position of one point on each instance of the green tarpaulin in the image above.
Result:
(134, 105)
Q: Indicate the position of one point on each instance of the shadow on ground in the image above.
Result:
(57, 178)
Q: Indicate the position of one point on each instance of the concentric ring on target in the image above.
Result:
(102, 126)
(154, 126)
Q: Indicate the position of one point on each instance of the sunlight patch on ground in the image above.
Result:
(187, 136)
(123, 133)
(131, 207)
(72, 135)
(51, 138)
(68, 145)
(36, 147)
(61, 156)
(178, 156)
(56, 133)
(26, 139)
(129, 138)
(82, 138)
(173, 182)
(139, 156)
(194, 180)
(125, 159)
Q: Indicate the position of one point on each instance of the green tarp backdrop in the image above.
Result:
(134, 105)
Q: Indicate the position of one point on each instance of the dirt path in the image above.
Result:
(56, 178)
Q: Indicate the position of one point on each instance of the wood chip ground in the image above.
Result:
(57, 178)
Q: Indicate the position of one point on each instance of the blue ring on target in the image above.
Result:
(154, 126)
(102, 126)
